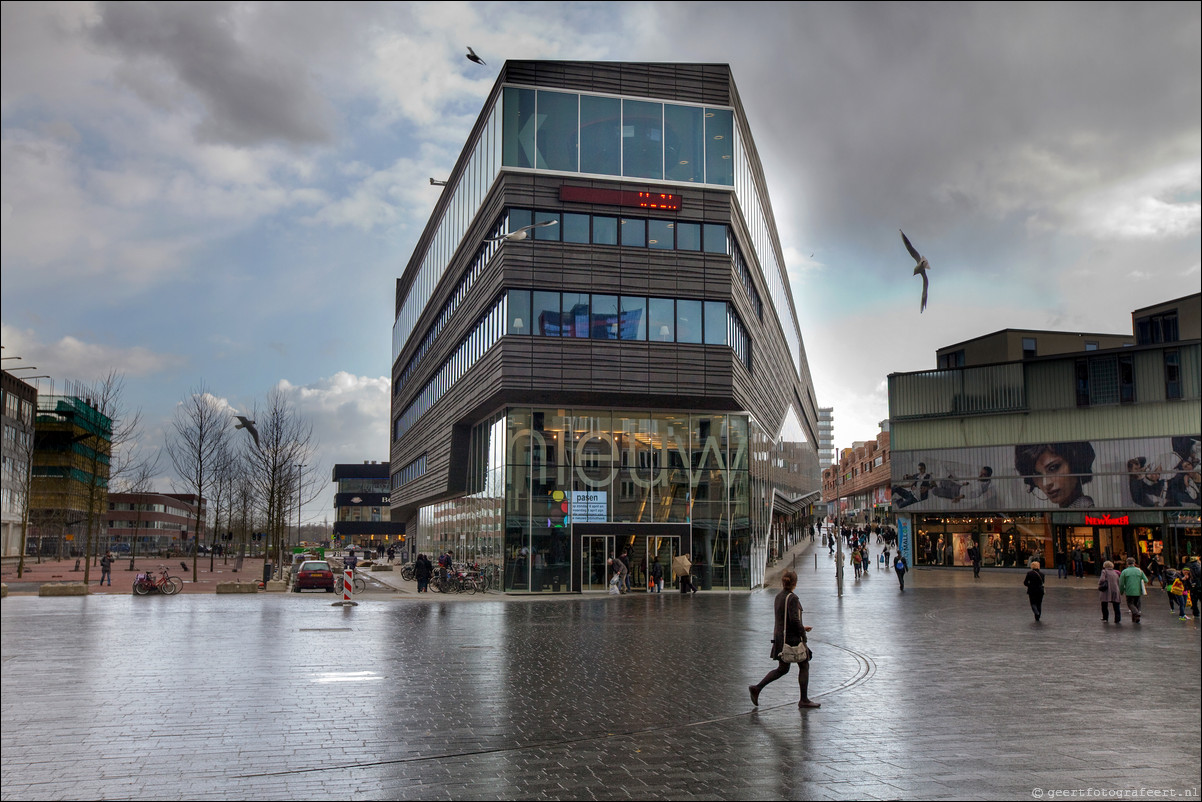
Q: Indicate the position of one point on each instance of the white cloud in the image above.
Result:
(73, 358)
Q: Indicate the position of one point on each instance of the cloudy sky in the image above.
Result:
(226, 192)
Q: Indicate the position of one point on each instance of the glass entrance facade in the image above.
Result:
(537, 474)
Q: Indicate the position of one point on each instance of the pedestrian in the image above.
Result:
(1131, 585)
(391, 554)
(620, 571)
(974, 554)
(624, 558)
(106, 568)
(899, 565)
(350, 561)
(1155, 570)
(1061, 568)
(787, 629)
(422, 569)
(1034, 583)
(657, 576)
(855, 560)
(1194, 570)
(1176, 595)
(885, 556)
(1108, 592)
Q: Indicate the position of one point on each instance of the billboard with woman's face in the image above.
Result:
(1111, 474)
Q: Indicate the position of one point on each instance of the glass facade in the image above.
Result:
(537, 475)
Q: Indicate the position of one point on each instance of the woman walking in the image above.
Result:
(899, 565)
(1034, 583)
(1108, 592)
(788, 630)
(422, 569)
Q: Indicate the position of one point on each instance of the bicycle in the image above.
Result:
(359, 585)
(164, 583)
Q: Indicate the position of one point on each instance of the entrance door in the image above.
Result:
(595, 553)
(661, 549)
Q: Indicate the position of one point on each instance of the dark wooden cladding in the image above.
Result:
(689, 83)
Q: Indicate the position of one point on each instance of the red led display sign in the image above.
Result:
(1108, 520)
(663, 201)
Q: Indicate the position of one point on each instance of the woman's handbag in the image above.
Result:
(792, 654)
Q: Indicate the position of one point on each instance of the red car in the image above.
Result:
(314, 574)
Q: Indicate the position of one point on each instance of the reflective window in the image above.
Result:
(688, 236)
(575, 227)
(605, 231)
(688, 322)
(633, 325)
(518, 127)
(519, 218)
(605, 317)
(719, 146)
(600, 135)
(575, 314)
(715, 323)
(546, 311)
(642, 139)
(547, 232)
(557, 129)
(714, 238)
(684, 143)
(634, 232)
(661, 318)
(660, 234)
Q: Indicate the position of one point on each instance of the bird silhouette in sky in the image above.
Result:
(471, 56)
(249, 425)
(921, 267)
(523, 232)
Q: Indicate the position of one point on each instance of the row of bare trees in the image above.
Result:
(248, 483)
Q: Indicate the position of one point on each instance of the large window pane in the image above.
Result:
(519, 218)
(715, 323)
(660, 234)
(605, 317)
(600, 135)
(684, 143)
(517, 128)
(634, 232)
(688, 236)
(634, 319)
(575, 227)
(719, 147)
(714, 238)
(557, 129)
(605, 231)
(642, 139)
(575, 314)
(546, 312)
(519, 312)
(688, 321)
(547, 232)
(661, 317)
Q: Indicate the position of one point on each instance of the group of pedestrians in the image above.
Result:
(1130, 586)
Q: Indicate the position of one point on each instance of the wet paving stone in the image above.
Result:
(948, 691)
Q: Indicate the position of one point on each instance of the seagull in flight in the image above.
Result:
(471, 56)
(522, 233)
(249, 425)
(921, 267)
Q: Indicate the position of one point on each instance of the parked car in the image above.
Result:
(314, 574)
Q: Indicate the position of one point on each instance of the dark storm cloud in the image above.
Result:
(249, 97)
(932, 117)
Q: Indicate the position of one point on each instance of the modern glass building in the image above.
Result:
(628, 374)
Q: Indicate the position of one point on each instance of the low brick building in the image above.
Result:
(857, 488)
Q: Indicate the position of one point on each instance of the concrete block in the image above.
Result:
(237, 587)
(63, 589)
(3, 590)
(381, 568)
(277, 586)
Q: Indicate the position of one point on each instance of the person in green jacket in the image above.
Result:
(1131, 585)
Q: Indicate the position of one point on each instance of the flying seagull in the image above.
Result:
(249, 425)
(471, 56)
(521, 233)
(922, 267)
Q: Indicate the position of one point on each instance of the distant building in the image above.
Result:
(857, 489)
(362, 515)
(17, 405)
(72, 445)
(826, 437)
(152, 523)
(1034, 455)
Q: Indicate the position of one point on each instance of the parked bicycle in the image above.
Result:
(358, 586)
(161, 583)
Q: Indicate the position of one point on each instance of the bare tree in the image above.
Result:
(281, 464)
(138, 481)
(200, 430)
